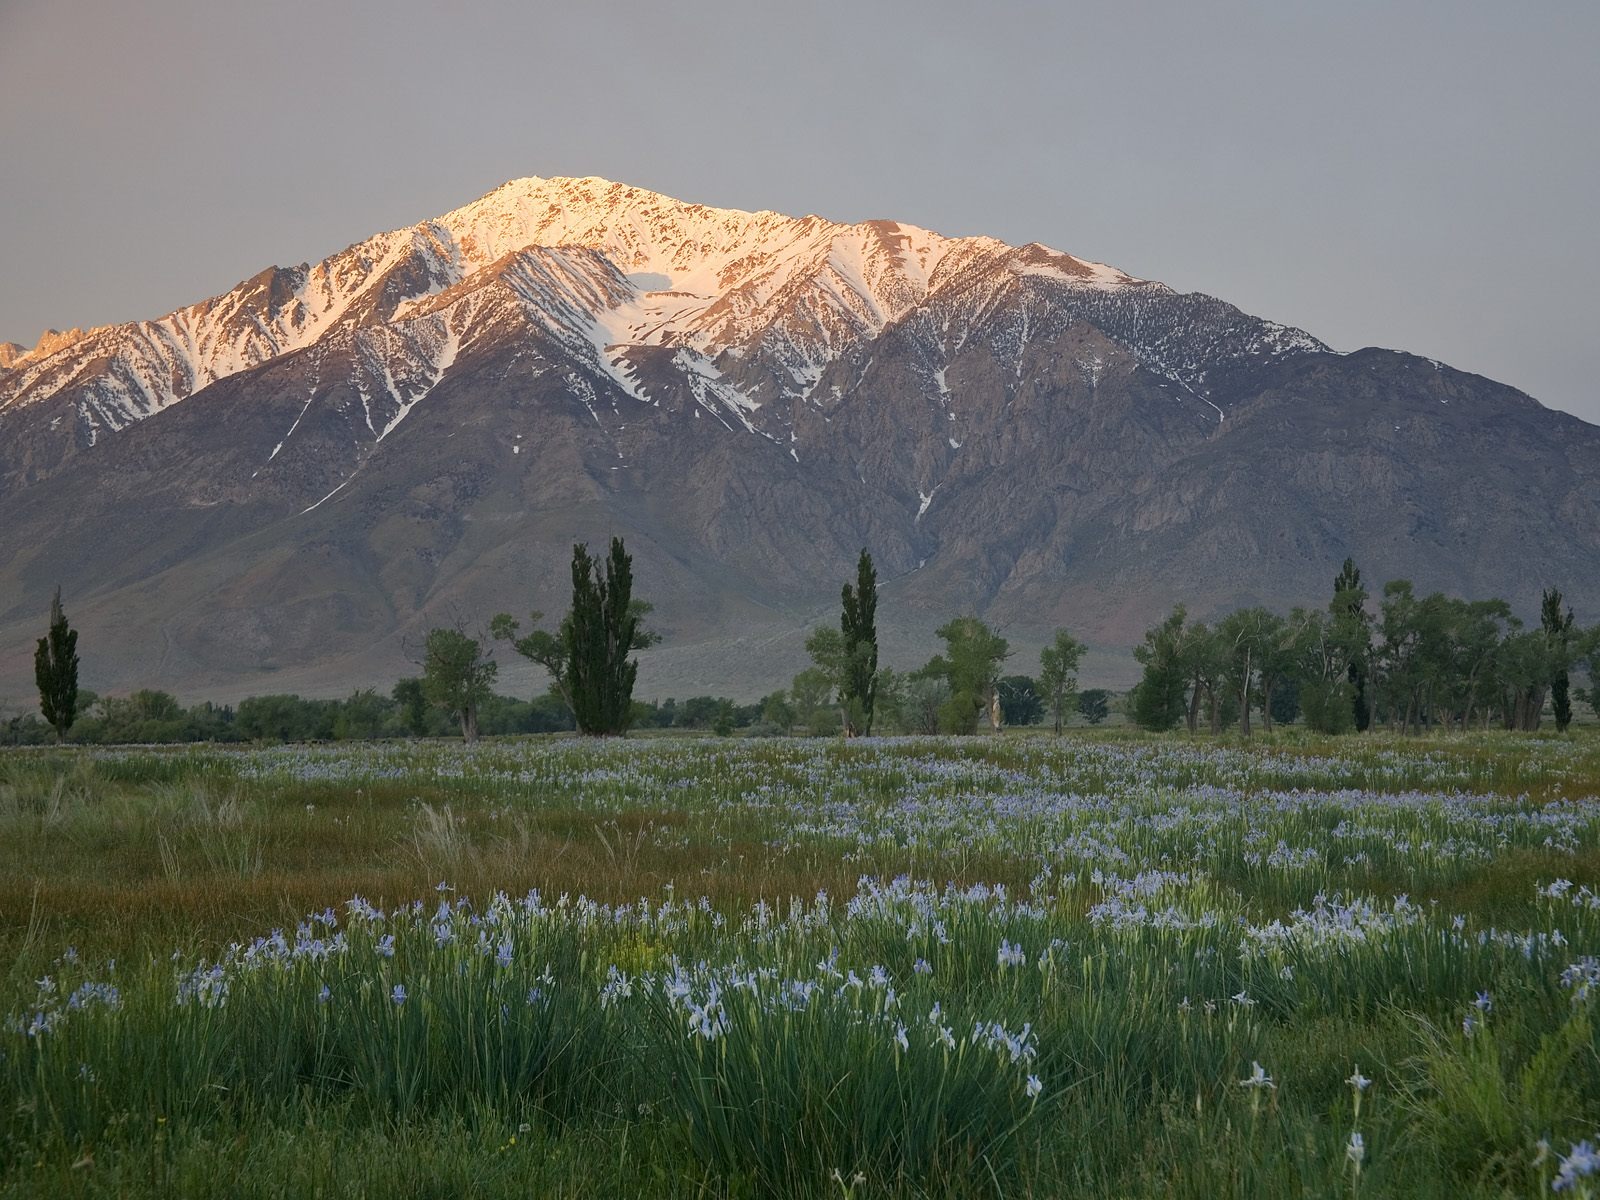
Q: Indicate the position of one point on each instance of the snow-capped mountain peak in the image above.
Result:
(784, 296)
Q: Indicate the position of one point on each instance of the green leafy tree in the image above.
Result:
(363, 716)
(413, 703)
(830, 662)
(858, 684)
(1058, 674)
(698, 712)
(970, 666)
(777, 712)
(602, 630)
(923, 702)
(457, 675)
(548, 713)
(1558, 634)
(587, 656)
(1094, 705)
(1201, 666)
(1589, 653)
(1352, 632)
(1285, 703)
(1158, 698)
(811, 691)
(1320, 666)
(281, 718)
(1020, 702)
(1237, 634)
(889, 706)
(1256, 649)
(1523, 675)
(1274, 664)
(146, 716)
(1411, 629)
(55, 670)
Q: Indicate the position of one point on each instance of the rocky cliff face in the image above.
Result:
(282, 486)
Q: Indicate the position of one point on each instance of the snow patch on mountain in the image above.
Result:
(604, 270)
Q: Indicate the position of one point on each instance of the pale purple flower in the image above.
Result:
(1579, 1162)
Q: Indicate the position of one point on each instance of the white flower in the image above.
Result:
(1258, 1078)
(1033, 1087)
(1356, 1150)
(1359, 1081)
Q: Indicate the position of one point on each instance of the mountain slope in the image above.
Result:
(286, 484)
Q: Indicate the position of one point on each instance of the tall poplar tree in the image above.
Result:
(601, 630)
(587, 655)
(55, 670)
(1558, 636)
(1353, 631)
(858, 686)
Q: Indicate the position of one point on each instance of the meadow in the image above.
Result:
(1105, 964)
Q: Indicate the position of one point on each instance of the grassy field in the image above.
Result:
(1102, 965)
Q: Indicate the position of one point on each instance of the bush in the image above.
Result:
(1328, 706)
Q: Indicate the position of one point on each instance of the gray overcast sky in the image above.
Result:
(1416, 175)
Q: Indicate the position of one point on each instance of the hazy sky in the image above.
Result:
(1416, 175)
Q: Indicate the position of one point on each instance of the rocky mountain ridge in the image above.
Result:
(281, 485)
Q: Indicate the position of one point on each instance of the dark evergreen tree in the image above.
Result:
(600, 632)
(1558, 635)
(55, 670)
(587, 656)
(1353, 630)
(858, 687)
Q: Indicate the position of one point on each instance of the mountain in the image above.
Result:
(283, 486)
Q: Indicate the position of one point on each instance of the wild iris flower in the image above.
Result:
(1356, 1151)
(1258, 1078)
(1579, 1163)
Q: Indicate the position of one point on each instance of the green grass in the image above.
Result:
(935, 967)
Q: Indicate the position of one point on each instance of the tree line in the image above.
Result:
(1398, 660)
